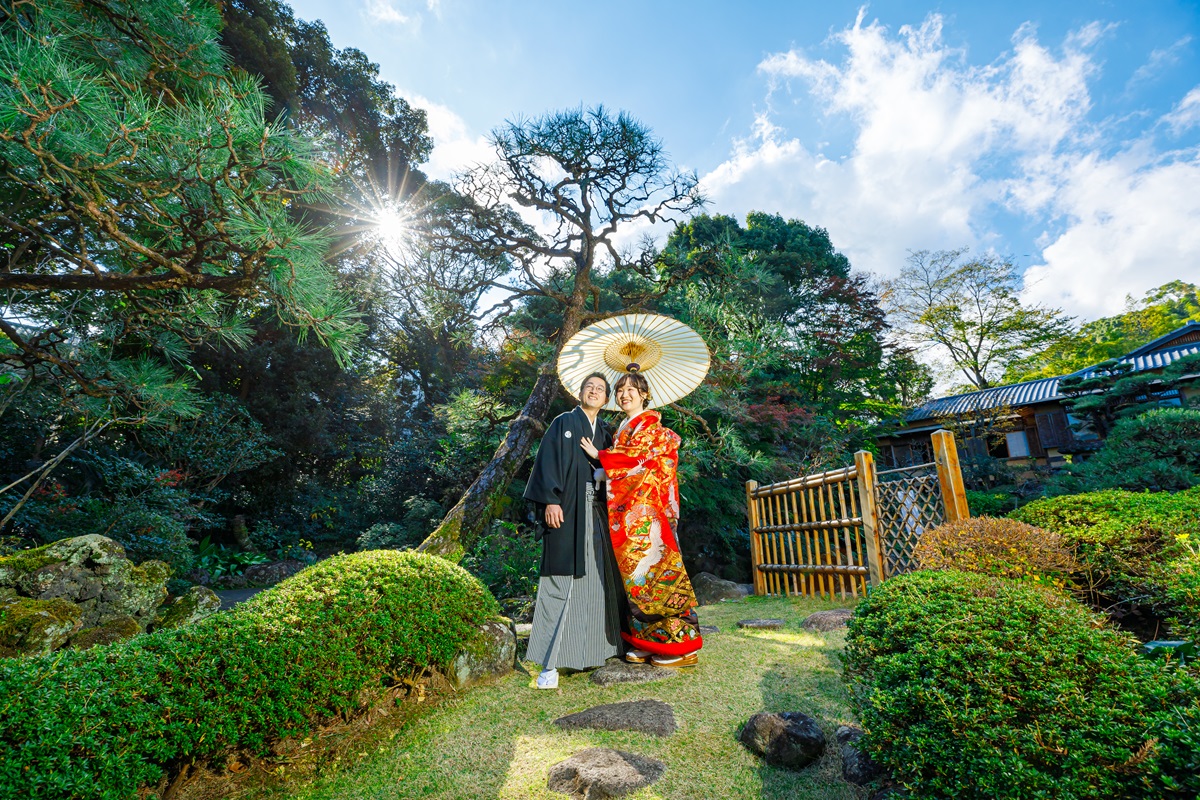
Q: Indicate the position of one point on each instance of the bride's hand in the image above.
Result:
(589, 448)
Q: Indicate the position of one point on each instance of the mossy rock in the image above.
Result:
(117, 629)
(490, 654)
(36, 626)
(23, 562)
(198, 603)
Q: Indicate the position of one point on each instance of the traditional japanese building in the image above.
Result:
(1028, 420)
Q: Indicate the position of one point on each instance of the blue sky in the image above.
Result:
(1065, 135)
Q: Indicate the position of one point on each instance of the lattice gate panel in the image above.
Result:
(909, 502)
(807, 536)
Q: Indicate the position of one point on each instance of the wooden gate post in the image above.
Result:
(864, 463)
(945, 454)
(760, 587)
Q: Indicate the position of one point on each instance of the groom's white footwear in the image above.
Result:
(547, 679)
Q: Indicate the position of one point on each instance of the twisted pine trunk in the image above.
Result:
(462, 526)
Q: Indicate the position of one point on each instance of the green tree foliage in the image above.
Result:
(969, 310)
(1157, 450)
(145, 207)
(1159, 312)
(1112, 392)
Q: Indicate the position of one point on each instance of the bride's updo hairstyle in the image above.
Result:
(639, 382)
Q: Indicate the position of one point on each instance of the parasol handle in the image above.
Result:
(632, 367)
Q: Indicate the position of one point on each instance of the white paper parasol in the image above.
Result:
(671, 355)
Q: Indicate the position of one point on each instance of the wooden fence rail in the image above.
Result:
(830, 533)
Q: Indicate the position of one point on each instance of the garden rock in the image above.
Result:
(117, 629)
(824, 621)
(91, 572)
(615, 672)
(761, 624)
(789, 739)
(600, 772)
(711, 589)
(708, 630)
(272, 573)
(747, 587)
(857, 767)
(36, 627)
(491, 654)
(198, 603)
(643, 716)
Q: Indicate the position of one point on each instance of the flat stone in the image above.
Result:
(827, 620)
(643, 716)
(706, 630)
(599, 772)
(788, 739)
(761, 624)
(711, 589)
(615, 672)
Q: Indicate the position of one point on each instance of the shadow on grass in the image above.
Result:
(813, 693)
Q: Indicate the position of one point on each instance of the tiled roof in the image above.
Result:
(1043, 389)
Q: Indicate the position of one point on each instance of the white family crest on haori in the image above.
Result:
(671, 355)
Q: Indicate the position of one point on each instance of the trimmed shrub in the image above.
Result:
(990, 504)
(1005, 548)
(1158, 450)
(1137, 550)
(104, 722)
(973, 686)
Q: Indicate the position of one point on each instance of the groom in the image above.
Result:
(576, 620)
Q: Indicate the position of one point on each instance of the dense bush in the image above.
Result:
(103, 722)
(1138, 551)
(1158, 450)
(1002, 547)
(973, 686)
(990, 504)
(506, 558)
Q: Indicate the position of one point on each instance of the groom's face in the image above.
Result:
(594, 394)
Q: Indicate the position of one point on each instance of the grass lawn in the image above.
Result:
(499, 741)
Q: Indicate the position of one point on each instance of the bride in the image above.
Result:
(643, 509)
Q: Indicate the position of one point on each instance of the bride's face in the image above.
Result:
(630, 399)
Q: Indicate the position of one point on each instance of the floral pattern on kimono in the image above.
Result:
(643, 511)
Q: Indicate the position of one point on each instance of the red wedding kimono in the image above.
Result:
(643, 508)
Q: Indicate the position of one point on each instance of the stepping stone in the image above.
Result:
(643, 716)
(600, 772)
(790, 739)
(827, 620)
(706, 630)
(615, 672)
(761, 624)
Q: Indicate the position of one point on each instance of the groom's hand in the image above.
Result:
(554, 516)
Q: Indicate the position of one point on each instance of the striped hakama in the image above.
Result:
(576, 622)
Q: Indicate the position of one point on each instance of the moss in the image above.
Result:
(36, 626)
(146, 586)
(115, 630)
(24, 562)
(198, 603)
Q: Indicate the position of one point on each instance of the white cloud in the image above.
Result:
(1159, 60)
(1186, 114)
(455, 147)
(384, 11)
(941, 147)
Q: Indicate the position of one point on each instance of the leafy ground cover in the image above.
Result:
(499, 741)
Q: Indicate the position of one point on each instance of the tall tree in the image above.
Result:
(1159, 312)
(969, 309)
(588, 175)
(145, 206)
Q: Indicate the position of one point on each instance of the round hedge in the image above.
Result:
(974, 686)
(103, 722)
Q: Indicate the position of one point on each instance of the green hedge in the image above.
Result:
(1139, 549)
(103, 722)
(973, 686)
(990, 504)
